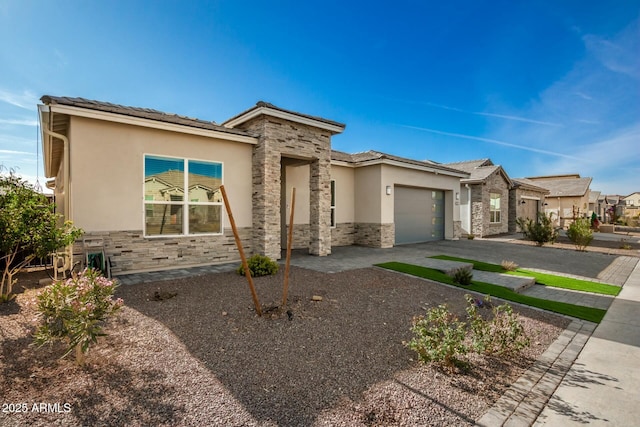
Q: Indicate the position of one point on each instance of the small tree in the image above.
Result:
(580, 233)
(29, 228)
(540, 231)
(76, 310)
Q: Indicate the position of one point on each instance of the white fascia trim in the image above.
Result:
(530, 198)
(342, 163)
(283, 115)
(410, 166)
(154, 124)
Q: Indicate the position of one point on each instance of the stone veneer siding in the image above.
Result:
(481, 206)
(343, 234)
(301, 234)
(281, 138)
(129, 251)
(375, 235)
(457, 229)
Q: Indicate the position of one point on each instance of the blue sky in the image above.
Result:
(544, 87)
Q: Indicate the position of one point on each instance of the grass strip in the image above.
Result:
(542, 278)
(586, 313)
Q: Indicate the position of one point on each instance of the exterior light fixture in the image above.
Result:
(457, 196)
(388, 190)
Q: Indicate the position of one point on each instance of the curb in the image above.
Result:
(527, 397)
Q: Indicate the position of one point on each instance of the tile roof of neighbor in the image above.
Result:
(371, 155)
(478, 170)
(594, 196)
(262, 104)
(528, 184)
(143, 113)
(471, 164)
(175, 178)
(564, 185)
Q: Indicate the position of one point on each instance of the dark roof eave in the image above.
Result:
(267, 105)
(141, 113)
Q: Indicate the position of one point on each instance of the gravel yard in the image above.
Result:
(202, 357)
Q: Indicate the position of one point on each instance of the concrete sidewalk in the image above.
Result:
(602, 388)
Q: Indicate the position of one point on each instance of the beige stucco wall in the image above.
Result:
(107, 161)
(345, 198)
(298, 177)
(563, 207)
(393, 175)
(368, 194)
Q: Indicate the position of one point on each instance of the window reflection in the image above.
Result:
(167, 210)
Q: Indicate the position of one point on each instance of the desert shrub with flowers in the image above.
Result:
(76, 310)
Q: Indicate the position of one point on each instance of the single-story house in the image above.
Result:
(594, 205)
(632, 205)
(484, 198)
(611, 205)
(568, 196)
(147, 184)
(526, 200)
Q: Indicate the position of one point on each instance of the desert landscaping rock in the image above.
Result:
(341, 362)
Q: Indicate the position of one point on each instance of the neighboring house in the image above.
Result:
(632, 205)
(148, 184)
(568, 196)
(612, 205)
(484, 198)
(594, 205)
(526, 200)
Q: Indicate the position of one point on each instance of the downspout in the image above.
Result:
(67, 168)
(470, 225)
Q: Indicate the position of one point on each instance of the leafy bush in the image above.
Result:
(540, 231)
(260, 265)
(503, 334)
(462, 276)
(29, 228)
(580, 233)
(439, 337)
(76, 310)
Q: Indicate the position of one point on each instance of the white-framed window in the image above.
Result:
(181, 196)
(495, 215)
(333, 203)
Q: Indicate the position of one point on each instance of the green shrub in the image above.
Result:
(540, 231)
(462, 276)
(439, 337)
(260, 265)
(580, 233)
(507, 333)
(76, 310)
(502, 335)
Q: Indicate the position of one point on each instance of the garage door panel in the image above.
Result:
(418, 215)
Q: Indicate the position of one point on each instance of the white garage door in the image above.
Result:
(418, 215)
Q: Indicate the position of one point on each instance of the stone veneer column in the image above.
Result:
(266, 200)
(283, 138)
(320, 209)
